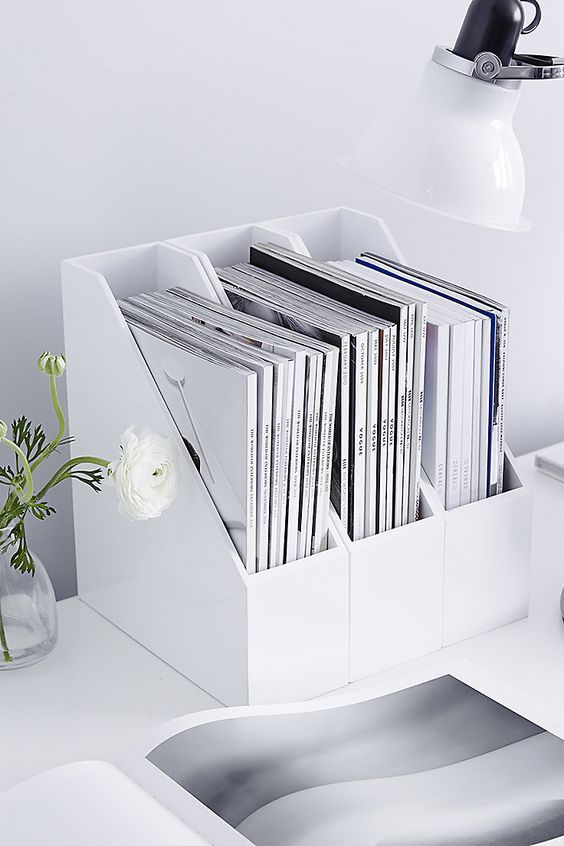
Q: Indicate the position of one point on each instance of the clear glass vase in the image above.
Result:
(28, 613)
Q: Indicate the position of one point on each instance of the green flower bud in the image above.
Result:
(52, 365)
(3, 429)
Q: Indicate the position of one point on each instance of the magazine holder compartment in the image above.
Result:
(176, 584)
(396, 578)
(396, 593)
(487, 560)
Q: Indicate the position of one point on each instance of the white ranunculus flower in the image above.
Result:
(146, 475)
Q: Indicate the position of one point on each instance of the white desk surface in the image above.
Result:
(99, 692)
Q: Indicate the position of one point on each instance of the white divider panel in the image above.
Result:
(339, 233)
(176, 584)
(328, 235)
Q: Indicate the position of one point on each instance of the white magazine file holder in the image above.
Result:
(176, 584)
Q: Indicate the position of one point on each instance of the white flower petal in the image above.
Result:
(145, 476)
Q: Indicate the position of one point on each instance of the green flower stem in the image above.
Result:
(61, 420)
(3, 643)
(27, 493)
(7, 512)
(62, 472)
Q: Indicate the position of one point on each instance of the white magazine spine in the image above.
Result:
(408, 413)
(312, 505)
(467, 414)
(325, 461)
(264, 402)
(502, 392)
(345, 369)
(285, 460)
(250, 560)
(278, 400)
(361, 395)
(455, 415)
(400, 415)
(307, 453)
(371, 510)
(418, 405)
(391, 428)
(436, 408)
(483, 488)
(476, 412)
(296, 452)
(384, 423)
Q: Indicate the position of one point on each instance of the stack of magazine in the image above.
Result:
(328, 383)
(255, 404)
(381, 337)
(465, 381)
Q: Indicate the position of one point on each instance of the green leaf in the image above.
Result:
(21, 558)
(92, 478)
(6, 475)
(31, 440)
(41, 510)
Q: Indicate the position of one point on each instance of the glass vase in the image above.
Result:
(28, 613)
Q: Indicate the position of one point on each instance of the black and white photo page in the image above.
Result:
(435, 764)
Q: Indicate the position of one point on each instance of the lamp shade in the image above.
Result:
(451, 149)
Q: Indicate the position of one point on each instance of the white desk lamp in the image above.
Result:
(452, 149)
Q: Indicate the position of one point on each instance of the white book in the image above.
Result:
(476, 412)
(325, 461)
(436, 407)
(455, 415)
(285, 465)
(504, 335)
(312, 505)
(371, 512)
(408, 413)
(276, 464)
(485, 380)
(467, 414)
(418, 405)
(391, 430)
(226, 456)
(401, 368)
(264, 403)
(383, 441)
(461, 393)
(340, 495)
(296, 453)
(360, 397)
(306, 505)
(471, 410)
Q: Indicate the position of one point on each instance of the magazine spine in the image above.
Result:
(371, 506)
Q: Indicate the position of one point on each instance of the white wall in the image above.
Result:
(128, 120)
